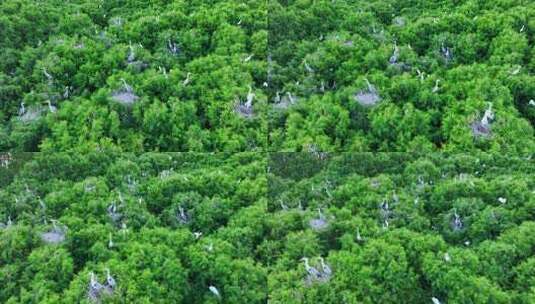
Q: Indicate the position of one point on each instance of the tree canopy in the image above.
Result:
(252, 228)
(132, 75)
(391, 75)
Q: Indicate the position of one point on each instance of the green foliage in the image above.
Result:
(184, 60)
(153, 256)
(322, 51)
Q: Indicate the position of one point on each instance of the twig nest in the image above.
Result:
(399, 21)
(318, 223)
(480, 130)
(367, 98)
(286, 101)
(243, 109)
(31, 114)
(54, 236)
(125, 96)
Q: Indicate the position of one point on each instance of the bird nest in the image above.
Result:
(480, 130)
(125, 96)
(367, 98)
(54, 236)
(31, 114)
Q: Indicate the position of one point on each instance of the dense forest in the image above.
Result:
(232, 75)
(132, 75)
(169, 228)
(253, 228)
(400, 228)
(402, 75)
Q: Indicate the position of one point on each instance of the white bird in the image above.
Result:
(109, 279)
(209, 247)
(127, 88)
(124, 230)
(371, 88)
(94, 283)
(48, 76)
(197, 235)
(110, 242)
(326, 269)
(187, 80)
(42, 204)
(22, 109)
(52, 108)
(66, 92)
(163, 71)
(359, 238)
(311, 270)
(436, 88)
(420, 75)
(523, 27)
(516, 71)
(250, 97)
(488, 115)
(290, 97)
(248, 58)
(532, 102)
(215, 291)
(435, 300)
(307, 67)
(131, 54)
(447, 257)
(173, 48)
(502, 200)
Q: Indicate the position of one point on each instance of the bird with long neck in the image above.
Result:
(436, 88)
(488, 115)
(187, 80)
(311, 270)
(52, 108)
(326, 269)
(126, 87)
(250, 97)
(22, 109)
(109, 279)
